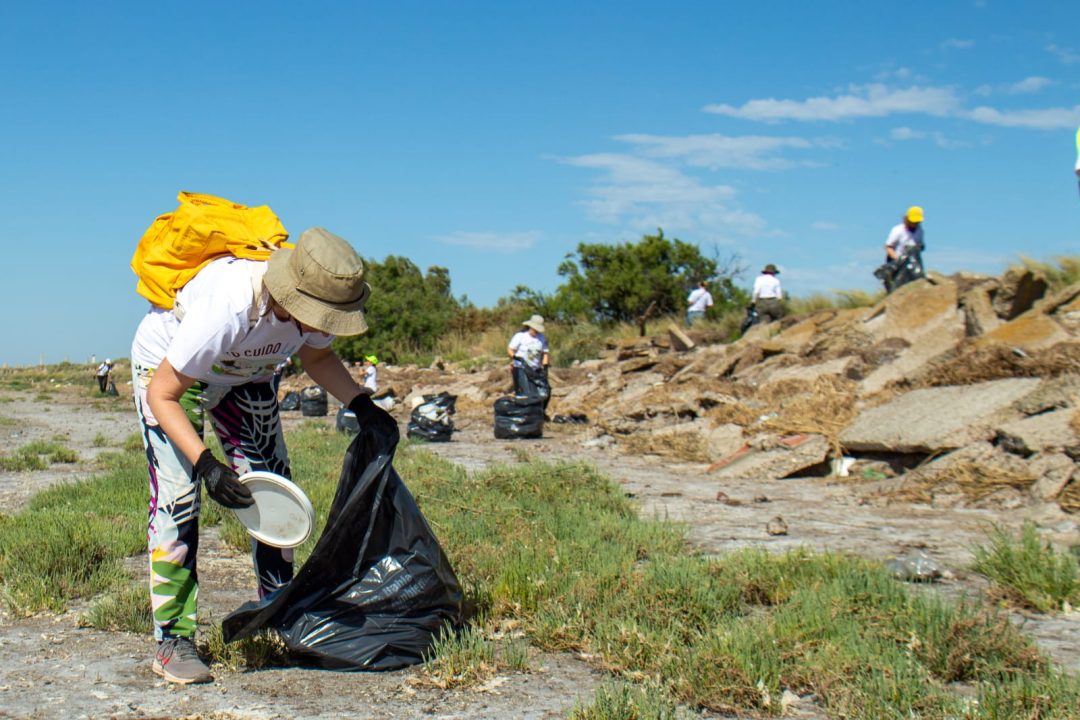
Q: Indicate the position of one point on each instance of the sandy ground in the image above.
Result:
(49, 667)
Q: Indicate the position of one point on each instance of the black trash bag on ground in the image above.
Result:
(377, 589)
(431, 432)
(291, 401)
(313, 401)
(431, 420)
(519, 417)
(531, 382)
(749, 320)
(111, 389)
(346, 421)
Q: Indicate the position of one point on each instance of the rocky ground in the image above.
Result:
(899, 431)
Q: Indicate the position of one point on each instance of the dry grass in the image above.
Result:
(1069, 499)
(976, 362)
(685, 446)
(973, 480)
(825, 406)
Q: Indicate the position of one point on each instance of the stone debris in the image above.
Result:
(960, 389)
(776, 526)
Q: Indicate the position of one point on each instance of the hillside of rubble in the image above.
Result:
(957, 389)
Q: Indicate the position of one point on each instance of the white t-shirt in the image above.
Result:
(216, 342)
(103, 370)
(766, 286)
(901, 239)
(699, 299)
(529, 349)
(369, 379)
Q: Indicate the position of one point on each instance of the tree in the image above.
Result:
(407, 312)
(617, 283)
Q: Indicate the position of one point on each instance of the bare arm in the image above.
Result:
(327, 370)
(163, 395)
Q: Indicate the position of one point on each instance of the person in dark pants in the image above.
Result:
(768, 297)
(102, 374)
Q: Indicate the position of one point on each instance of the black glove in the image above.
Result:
(368, 414)
(222, 483)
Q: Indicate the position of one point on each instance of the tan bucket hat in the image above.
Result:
(320, 282)
(536, 322)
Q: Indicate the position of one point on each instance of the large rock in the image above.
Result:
(787, 457)
(1054, 471)
(978, 307)
(1031, 331)
(1048, 431)
(924, 315)
(1019, 290)
(940, 418)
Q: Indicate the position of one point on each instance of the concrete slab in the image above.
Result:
(1048, 431)
(939, 418)
(1031, 331)
(790, 455)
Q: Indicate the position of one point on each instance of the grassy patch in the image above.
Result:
(69, 541)
(1027, 571)
(557, 554)
(625, 701)
(126, 608)
(37, 455)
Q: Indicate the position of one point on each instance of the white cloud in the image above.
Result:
(958, 44)
(1026, 86)
(1066, 56)
(644, 194)
(491, 241)
(874, 100)
(1031, 84)
(906, 133)
(823, 225)
(716, 151)
(1038, 119)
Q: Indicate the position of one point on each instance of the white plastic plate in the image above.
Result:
(282, 515)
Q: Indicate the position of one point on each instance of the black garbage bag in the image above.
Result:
(377, 590)
(291, 401)
(313, 401)
(346, 421)
(422, 429)
(519, 417)
(431, 420)
(749, 320)
(531, 382)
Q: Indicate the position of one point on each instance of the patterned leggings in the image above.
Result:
(246, 421)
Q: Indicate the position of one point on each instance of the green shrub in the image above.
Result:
(1029, 571)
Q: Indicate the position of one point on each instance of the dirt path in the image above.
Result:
(49, 667)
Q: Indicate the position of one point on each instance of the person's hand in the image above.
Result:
(368, 414)
(222, 483)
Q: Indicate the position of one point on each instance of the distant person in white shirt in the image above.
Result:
(767, 296)
(907, 236)
(528, 346)
(698, 301)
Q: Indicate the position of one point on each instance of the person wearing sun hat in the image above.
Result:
(529, 359)
(528, 346)
(214, 355)
(767, 296)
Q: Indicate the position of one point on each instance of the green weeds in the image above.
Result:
(558, 554)
(126, 608)
(1028, 571)
(37, 455)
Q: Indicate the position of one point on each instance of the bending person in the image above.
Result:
(215, 354)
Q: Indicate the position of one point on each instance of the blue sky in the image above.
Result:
(493, 137)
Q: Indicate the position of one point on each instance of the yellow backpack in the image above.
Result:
(181, 243)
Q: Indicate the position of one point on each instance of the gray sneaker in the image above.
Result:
(177, 661)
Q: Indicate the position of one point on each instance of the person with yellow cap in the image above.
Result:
(903, 251)
(906, 236)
